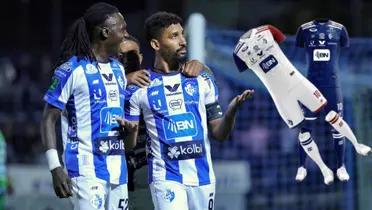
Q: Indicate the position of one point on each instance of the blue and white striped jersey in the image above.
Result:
(91, 95)
(174, 110)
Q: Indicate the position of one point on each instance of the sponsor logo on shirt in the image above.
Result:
(268, 63)
(175, 104)
(55, 83)
(185, 150)
(172, 90)
(181, 125)
(321, 55)
(109, 146)
(113, 95)
(108, 118)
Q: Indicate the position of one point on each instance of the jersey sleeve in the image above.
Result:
(300, 41)
(61, 87)
(344, 39)
(277, 34)
(132, 109)
(211, 90)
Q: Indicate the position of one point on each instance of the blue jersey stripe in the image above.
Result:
(192, 98)
(120, 80)
(159, 109)
(71, 150)
(96, 87)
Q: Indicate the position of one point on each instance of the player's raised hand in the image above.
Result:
(140, 78)
(239, 99)
(61, 183)
(127, 125)
(192, 68)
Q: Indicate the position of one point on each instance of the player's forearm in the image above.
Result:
(48, 134)
(225, 125)
(131, 140)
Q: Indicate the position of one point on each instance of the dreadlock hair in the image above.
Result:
(80, 35)
(157, 22)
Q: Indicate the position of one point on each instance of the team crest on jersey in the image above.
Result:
(169, 195)
(190, 88)
(91, 69)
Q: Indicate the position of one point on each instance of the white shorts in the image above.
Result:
(288, 103)
(171, 195)
(97, 194)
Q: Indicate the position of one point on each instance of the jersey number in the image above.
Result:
(210, 204)
(123, 204)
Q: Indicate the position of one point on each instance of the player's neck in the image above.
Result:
(101, 53)
(164, 66)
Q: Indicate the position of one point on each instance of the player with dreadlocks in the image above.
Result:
(87, 91)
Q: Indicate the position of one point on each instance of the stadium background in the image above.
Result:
(256, 169)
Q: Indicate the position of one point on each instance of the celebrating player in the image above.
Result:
(258, 50)
(322, 39)
(87, 91)
(179, 113)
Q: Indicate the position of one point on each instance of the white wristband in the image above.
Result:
(53, 159)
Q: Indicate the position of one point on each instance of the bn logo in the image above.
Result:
(268, 63)
(321, 55)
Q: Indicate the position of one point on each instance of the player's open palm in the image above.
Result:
(61, 183)
(239, 99)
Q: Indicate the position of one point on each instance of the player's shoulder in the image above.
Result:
(307, 25)
(336, 25)
(131, 89)
(68, 67)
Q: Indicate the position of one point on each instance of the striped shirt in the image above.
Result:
(91, 95)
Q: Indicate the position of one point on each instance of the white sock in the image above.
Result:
(311, 149)
(341, 126)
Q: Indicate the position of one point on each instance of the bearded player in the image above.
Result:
(259, 51)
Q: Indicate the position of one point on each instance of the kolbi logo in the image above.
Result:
(111, 145)
(268, 63)
(185, 150)
(321, 55)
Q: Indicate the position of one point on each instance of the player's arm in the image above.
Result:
(61, 182)
(130, 130)
(59, 92)
(221, 127)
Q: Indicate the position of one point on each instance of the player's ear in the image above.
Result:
(154, 44)
(140, 58)
(104, 32)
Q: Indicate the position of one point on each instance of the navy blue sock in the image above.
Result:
(339, 146)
